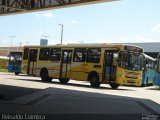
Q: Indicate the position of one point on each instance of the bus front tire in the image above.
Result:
(63, 80)
(16, 73)
(114, 85)
(44, 75)
(94, 80)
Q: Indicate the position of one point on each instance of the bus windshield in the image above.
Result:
(15, 58)
(130, 61)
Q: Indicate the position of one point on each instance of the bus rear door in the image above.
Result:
(32, 61)
(65, 69)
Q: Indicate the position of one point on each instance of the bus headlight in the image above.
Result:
(121, 75)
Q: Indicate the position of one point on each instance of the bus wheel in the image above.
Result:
(16, 73)
(94, 80)
(63, 80)
(44, 75)
(114, 85)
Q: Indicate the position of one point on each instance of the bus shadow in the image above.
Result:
(73, 84)
(8, 92)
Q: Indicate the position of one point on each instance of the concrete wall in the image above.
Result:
(5, 50)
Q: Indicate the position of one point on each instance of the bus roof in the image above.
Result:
(84, 44)
(115, 46)
(149, 57)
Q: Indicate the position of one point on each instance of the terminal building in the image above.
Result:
(4, 51)
(43, 42)
(150, 48)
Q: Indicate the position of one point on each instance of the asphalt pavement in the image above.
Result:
(56, 101)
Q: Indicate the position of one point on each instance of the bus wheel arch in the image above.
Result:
(93, 77)
(44, 75)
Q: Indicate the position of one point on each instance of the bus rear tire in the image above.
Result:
(44, 75)
(94, 80)
(63, 80)
(16, 73)
(114, 85)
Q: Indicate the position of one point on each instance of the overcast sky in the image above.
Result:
(120, 21)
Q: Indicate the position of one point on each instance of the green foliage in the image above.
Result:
(3, 65)
(3, 70)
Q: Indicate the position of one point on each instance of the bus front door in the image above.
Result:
(32, 61)
(65, 69)
(110, 66)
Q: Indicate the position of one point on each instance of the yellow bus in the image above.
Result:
(115, 64)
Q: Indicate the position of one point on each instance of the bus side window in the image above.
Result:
(93, 55)
(25, 54)
(44, 54)
(55, 54)
(79, 55)
(67, 56)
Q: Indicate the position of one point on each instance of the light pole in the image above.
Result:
(27, 43)
(20, 44)
(12, 36)
(45, 36)
(61, 32)
(81, 42)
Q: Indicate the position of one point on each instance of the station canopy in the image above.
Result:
(8, 7)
